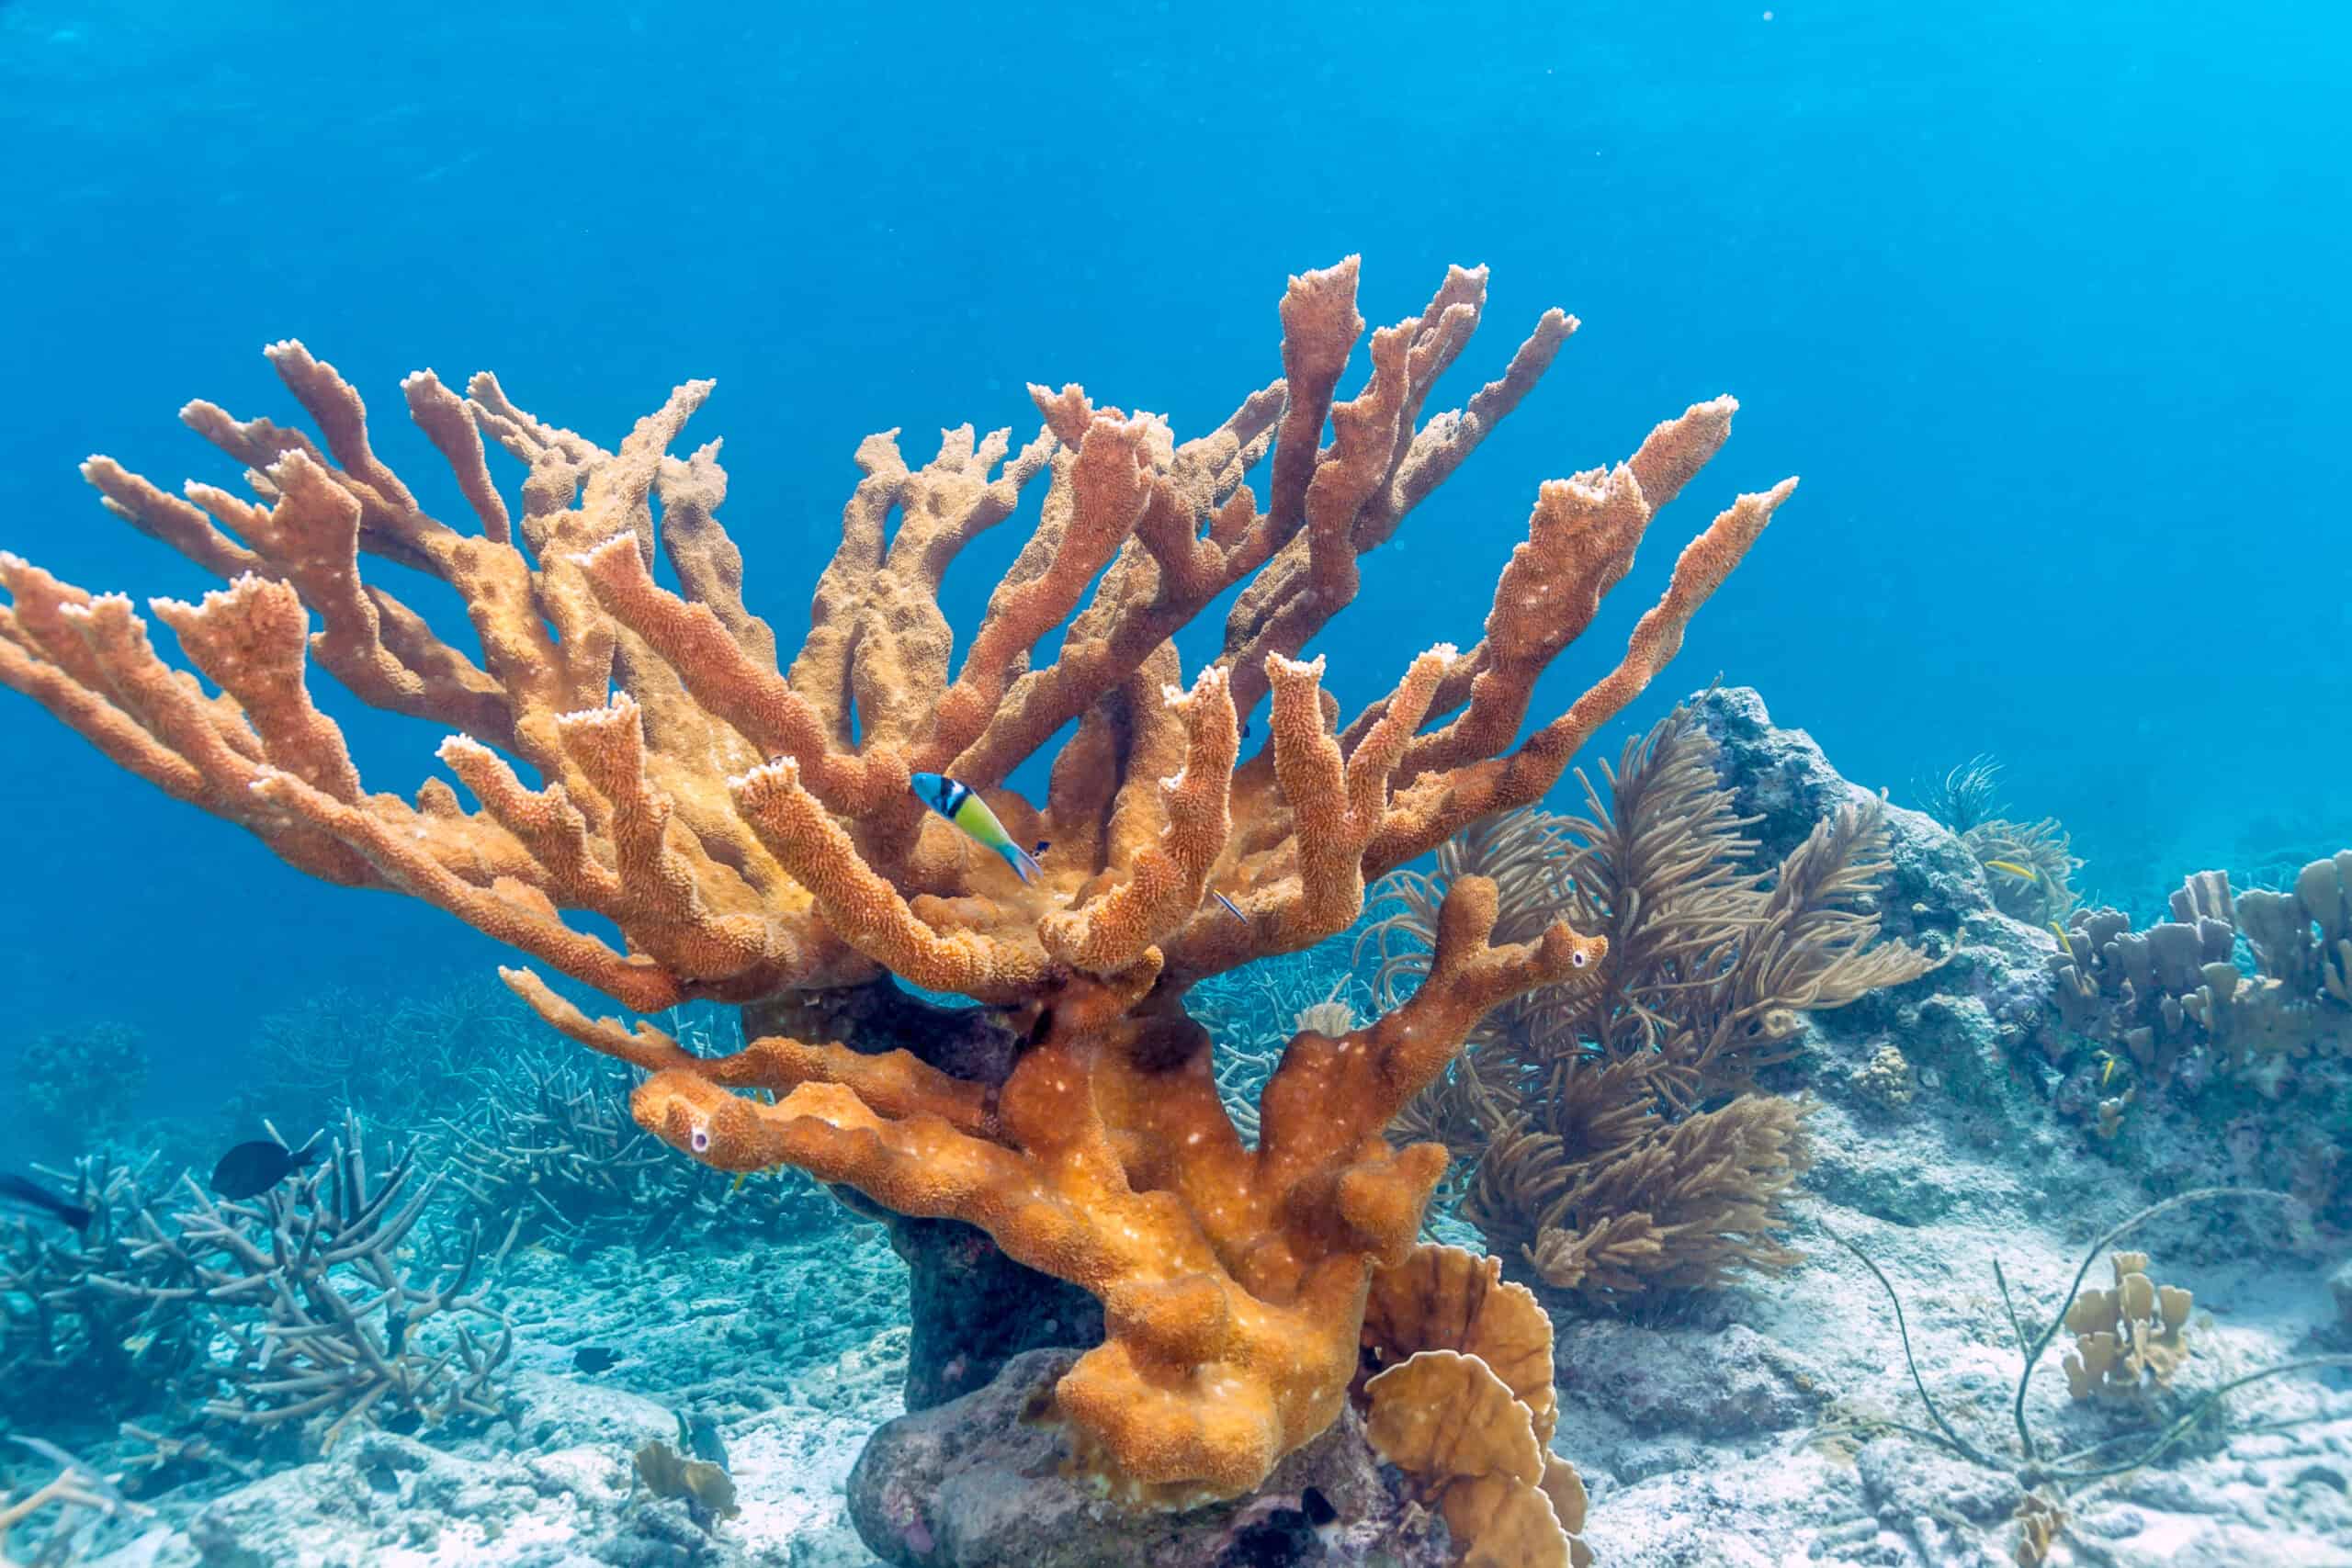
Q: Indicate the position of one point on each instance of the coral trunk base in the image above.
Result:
(972, 1483)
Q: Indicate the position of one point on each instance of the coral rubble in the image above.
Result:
(749, 832)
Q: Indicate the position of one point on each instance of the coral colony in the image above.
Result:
(1170, 1061)
(749, 830)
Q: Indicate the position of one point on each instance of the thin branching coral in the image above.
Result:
(59, 1508)
(81, 1084)
(642, 756)
(1618, 1147)
(549, 1142)
(81, 1333)
(312, 1302)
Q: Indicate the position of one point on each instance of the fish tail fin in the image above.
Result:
(1025, 864)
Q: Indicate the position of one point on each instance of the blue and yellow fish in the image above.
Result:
(971, 814)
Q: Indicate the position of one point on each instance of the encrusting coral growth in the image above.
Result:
(751, 832)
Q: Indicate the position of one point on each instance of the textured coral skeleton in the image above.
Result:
(748, 829)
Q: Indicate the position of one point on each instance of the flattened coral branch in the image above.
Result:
(642, 755)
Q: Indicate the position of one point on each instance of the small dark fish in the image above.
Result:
(1321, 1518)
(14, 1188)
(1230, 906)
(699, 1435)
(251, 1169)
(1285, 1536)
(593, 1359)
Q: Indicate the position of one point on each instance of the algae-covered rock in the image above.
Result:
(970, 1484)
(1964, 1027)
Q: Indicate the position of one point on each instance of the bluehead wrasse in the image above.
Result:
(2060, 932)
(971, 815)
(1230, 906)
(2107, 1072)
(2023, 873)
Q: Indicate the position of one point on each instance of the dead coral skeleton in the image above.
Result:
(551, 1144)
(308, 1302)
(75, 1329)
(2046, 1480)
(79, 1495)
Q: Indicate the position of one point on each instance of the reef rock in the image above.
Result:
(1963, 1028)
(972, 1483)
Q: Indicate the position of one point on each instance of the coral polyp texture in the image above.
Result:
(749, 827)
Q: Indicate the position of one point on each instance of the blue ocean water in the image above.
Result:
(2043, 300)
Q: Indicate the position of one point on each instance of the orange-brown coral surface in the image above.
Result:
(748, 829)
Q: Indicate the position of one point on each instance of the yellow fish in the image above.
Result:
(2023, 873)
(970, 813)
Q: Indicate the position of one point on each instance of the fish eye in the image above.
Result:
(701, 1140)
(1579, 958)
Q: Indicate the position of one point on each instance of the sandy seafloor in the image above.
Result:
(1731, 1427)
(1693, 1435)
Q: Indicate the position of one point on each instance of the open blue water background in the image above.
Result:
(2044, 300)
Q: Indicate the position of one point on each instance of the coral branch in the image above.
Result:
(645, 755)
